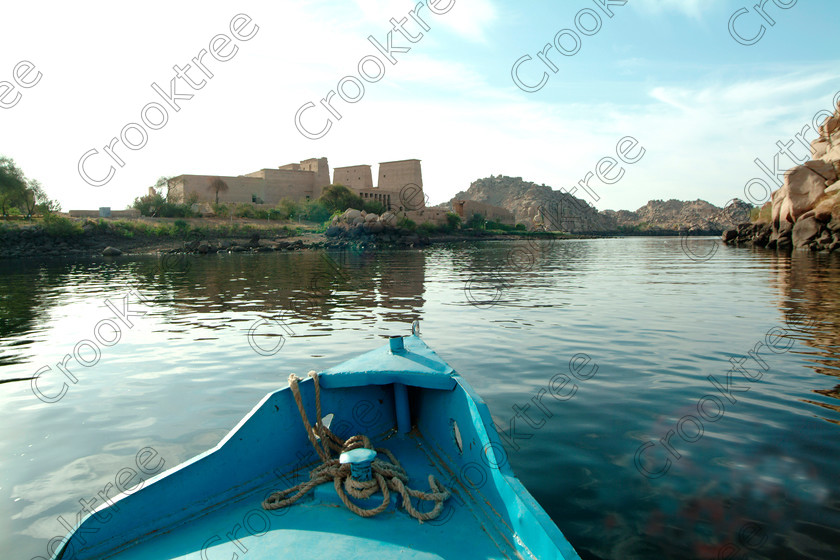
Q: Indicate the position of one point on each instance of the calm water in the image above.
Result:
(626, 466)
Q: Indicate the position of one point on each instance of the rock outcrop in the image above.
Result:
(526, 199)
(805, 212)
(677, 215)
(111, 252)
(360, 226)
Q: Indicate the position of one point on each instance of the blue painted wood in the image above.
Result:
(210, 506)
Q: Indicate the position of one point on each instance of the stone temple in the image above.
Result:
(399, 187)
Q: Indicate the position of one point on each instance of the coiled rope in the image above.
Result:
(388, 475)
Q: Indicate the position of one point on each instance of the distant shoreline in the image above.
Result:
(88, 238)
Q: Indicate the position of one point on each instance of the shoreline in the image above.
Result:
(85, 239)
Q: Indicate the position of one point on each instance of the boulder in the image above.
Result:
(785, 229)
(358, 220)
(834, 224)
(111, 252)
(819, 147)
(351, 214)
(776, 200)
(729, 235)
(371, 217)
(806, 184)
(374, 227)
(203, 248)
(389, 219)
(825, 238)
(333, 231)
(762, 234)
(356, 231)
(822, 212)
(804, 231)
(831, 124)
(834, 188)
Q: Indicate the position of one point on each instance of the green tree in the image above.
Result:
(13, 185)
(453, 220)
(32, 197)
(288, 209)
(476, 222)
(338, 198)
(217, 186)
(150, 204)
(161, 184)
(315, 211)
(373, 207)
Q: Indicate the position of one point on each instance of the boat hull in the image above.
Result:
(211, 506)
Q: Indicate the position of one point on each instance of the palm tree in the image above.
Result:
(217, 186)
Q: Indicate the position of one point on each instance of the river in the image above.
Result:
(704, 424)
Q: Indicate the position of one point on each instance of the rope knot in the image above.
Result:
(388, 475)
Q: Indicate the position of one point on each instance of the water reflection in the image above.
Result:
(762, 479)
(27, 291)
(213, 292)
(808, 286)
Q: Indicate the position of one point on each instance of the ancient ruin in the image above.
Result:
(399, 188)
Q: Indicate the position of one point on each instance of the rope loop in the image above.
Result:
(388, 473)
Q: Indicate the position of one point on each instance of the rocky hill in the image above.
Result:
(526, 200)
(677, 215)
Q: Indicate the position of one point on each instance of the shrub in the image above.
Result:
(314, 211)
(427, 228)
(373, 207)
(288, 209)
(157, 206)
(498, 226)
(404, 222)
(338, 198)
(476, 222)
(762, 214)
(61, 227)
(221, 210)
(244, 211)
(453, 220)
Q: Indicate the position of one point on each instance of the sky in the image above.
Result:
(702, 104)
